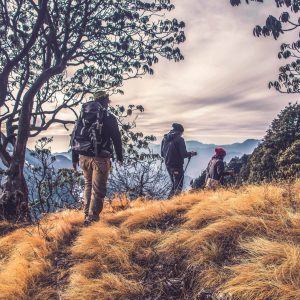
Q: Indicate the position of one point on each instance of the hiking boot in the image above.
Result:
(87, 221)
(94, 219)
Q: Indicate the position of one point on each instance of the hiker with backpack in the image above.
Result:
(215, 171)
(173, 151)
(95, 134)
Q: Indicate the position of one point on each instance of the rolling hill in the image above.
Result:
(238, 244)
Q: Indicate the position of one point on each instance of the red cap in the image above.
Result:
(220, 152)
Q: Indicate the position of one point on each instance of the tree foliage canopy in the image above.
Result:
(136, 143)
(275, 26)
(278, 146)
(289, 161)
(51, 189)
(55, 52)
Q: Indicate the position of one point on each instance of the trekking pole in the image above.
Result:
(189, 160)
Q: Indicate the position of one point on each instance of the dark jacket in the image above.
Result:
(216, 169)
(173, 149)
(111, 136)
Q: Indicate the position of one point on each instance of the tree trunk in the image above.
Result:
(14, 200)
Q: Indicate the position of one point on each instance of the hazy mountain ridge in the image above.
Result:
(205, 151)
(199, 163)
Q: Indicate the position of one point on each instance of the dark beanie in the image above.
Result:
(178, 127)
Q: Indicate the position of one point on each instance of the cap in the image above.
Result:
(220, 152)
(100, 94)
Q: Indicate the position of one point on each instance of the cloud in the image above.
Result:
(224, 76)
(219, 92)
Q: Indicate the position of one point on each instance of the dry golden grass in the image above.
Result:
(252, 200)
(106, 268)
(238, 244)
(215, 244)
(143, 214)
(27, 252)
(104, 246)
(107, 286)
(270, 270)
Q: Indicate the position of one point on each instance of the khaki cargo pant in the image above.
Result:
(95, 171)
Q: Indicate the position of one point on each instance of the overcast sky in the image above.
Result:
(219, 92)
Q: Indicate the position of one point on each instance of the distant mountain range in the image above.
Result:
(206, 151)
(198, 163)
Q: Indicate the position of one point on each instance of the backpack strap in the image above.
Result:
(97, 132)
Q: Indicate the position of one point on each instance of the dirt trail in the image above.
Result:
(50, 285)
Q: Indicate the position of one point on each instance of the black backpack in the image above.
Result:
(87, 134)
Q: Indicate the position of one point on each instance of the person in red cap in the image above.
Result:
(215, 171)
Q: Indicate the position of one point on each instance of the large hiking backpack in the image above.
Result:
(87, 134)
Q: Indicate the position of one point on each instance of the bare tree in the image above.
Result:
(53, 53)
(142, 173)
(51, 189)
(146, 178)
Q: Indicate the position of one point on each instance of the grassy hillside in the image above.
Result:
(231, 244)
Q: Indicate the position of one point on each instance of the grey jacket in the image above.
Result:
(216, 169)
(173, 149)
